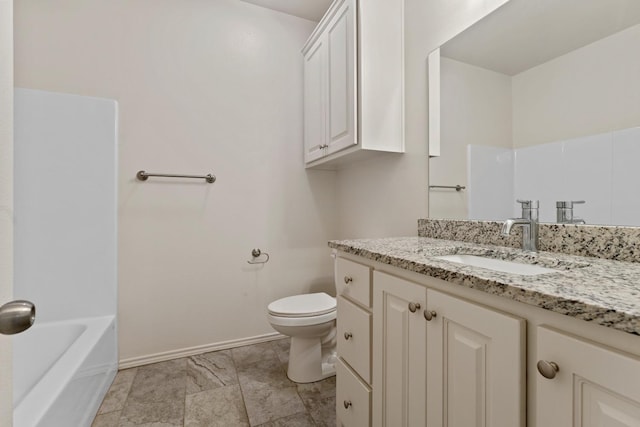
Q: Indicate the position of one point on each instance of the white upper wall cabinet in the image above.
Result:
(353, 83)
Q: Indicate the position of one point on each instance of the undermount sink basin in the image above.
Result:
(498, 264)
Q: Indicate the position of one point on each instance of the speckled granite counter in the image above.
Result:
(596, 290)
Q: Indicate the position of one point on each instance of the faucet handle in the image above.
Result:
(568, 204)
(529, 204)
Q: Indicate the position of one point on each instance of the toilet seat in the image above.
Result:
(302, 310)
(305, 305)
(301, 321)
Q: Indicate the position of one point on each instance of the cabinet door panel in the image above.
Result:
(341, 65)
(594, 386)
(314, 101)
(475, 365)
(399, 351)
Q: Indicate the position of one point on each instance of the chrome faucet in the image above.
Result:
(564, 212)
(529, 224)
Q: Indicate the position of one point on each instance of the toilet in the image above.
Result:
(310, 321)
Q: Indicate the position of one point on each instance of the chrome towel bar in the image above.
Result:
(455, 187)
(143, 176)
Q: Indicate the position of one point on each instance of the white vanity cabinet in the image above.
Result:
(439, 360)
(353, 90)
(353, 369)
(583, 384)
(399, 352)
(475, 364)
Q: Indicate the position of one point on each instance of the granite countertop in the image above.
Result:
(596, 290)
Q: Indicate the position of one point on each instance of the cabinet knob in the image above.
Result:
(429, 315)
(347, 404)
(413, 306)
(347, 335)
(348, 279)
(547, 369)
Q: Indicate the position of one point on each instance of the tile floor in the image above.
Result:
(244, 386)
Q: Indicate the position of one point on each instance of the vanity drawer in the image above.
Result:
(353, 398)
(353, 280)
(354, 337)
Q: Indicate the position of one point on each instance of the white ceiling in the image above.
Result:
(307, 9)
(524, 33)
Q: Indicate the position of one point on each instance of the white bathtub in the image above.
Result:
(62, 371)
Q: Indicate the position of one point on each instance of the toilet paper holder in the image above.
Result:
(257, 253)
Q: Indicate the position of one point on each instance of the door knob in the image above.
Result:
(548, 369)
(347, 404)
(348, 279)
(16, 316)
(347, 335)
(413, 306)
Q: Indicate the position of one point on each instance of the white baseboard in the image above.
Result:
(190, 351)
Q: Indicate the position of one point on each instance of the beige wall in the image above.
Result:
(591, 90)
(6, 199)
(385, 196)
(202, 86)
(475, 109)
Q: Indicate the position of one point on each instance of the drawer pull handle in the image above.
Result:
(348, 279)
(429, 315)
(547, 369)
(347, 404)
(413, 306)
(347, 335)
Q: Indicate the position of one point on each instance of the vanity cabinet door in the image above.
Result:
(594, 386)
(475, 365)
(399, 351)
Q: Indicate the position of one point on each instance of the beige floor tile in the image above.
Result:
(323, 411)
(210, 370)
(118, 392)
(296, 420)
(157, 414)
(107, 420)
(265, 373)
(266, 404)
(159, 382)
(250, 354)
(219, 407)
(239, 387)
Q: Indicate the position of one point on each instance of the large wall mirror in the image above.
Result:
(539, 100)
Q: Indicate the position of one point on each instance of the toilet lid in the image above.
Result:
(303, 305)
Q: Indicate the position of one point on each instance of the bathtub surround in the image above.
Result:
(202, 87)
(599, 241)
(246, 386)
(6, 198)
(64, 255)
(596, 168)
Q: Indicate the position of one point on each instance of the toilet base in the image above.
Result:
(309, 361)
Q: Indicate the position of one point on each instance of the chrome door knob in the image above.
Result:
(548, 369)
(347, 404)
(413, 306)
(429, 315)
(16, 316)
(347, 335)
